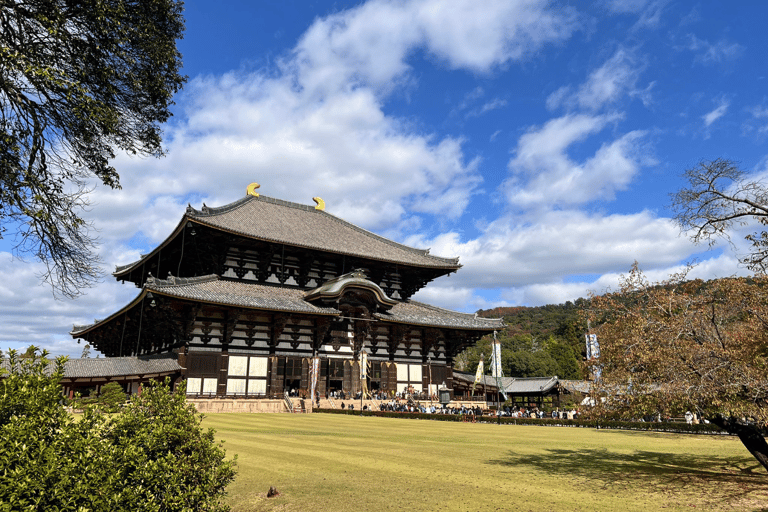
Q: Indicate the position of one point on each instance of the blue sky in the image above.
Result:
(538, 141)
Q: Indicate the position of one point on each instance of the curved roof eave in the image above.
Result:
(124, 269)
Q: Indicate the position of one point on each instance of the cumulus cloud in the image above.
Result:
(544, 175)
(368, 45)
(317, 127)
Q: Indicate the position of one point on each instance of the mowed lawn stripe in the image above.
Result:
(338, 462)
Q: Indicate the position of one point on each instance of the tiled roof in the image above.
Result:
(114, 366)
(212, 289)
(299, 225)
(418, 313)
(469, 378)
(121, 366)
(529, 384)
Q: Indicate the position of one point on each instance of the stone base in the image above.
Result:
(214, 405)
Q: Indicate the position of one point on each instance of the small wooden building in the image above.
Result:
(543, 392)
(249, 295)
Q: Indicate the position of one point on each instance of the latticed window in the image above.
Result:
(336, 368)
(293, 368)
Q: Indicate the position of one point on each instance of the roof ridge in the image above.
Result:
(438, 308)
(179, 281)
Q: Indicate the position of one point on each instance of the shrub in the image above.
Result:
(153, 455)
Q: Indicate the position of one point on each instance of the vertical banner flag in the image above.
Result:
(364, 374)
(496, 358)
(314, 372)
(593, 353)
(593, 348)
(478, 374)
(496, 370)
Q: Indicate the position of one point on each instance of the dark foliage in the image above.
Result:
(79, 81)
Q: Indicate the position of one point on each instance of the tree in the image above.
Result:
(687, 346)
(721, 195)
(531, 364)
(79, 80)
(565, 357)
(153, 455)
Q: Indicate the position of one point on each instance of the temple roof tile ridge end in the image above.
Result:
(179, 281)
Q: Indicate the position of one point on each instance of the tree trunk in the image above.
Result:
(750, 436)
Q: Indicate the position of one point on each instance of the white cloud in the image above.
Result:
(544, 175)
(546, 248)
(605, 85)
(716, 114)
(31, 316)
(649, 11)
(369, 45)
(317, 127)
(719, 52)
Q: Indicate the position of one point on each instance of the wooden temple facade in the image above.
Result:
(248, 295)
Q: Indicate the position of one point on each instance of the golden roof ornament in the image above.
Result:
(251, 189)
(320, 204)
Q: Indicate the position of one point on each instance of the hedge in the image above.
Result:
(701, 428)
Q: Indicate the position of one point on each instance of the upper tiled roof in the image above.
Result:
(299, 225)
(418, 313)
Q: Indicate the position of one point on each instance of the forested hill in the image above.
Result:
(536, 342)
(558, 319)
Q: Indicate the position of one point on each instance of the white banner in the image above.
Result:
(496, 360)
(314, 371)
(593, 347)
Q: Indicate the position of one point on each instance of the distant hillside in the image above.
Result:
(552, 319)
(536, 342)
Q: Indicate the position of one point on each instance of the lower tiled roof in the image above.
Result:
(114, 366)
(121, 366)
(211, 289)
(418, 313)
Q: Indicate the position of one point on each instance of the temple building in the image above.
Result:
(247, 298)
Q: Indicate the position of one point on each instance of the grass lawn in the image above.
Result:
(351, 463)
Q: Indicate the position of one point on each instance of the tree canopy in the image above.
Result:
(79, 80)
(682, 346)
(719, 196)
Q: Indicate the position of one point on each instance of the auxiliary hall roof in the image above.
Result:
(274, 220)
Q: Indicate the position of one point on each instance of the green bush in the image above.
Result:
(152, 456)
(111, 397)
(702, 428)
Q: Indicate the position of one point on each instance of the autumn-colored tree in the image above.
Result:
(682, 345)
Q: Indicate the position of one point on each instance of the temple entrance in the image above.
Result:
(335, 377)
(292, 382)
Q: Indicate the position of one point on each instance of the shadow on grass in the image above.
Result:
(710, 479)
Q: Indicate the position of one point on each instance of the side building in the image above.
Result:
(248, 295)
